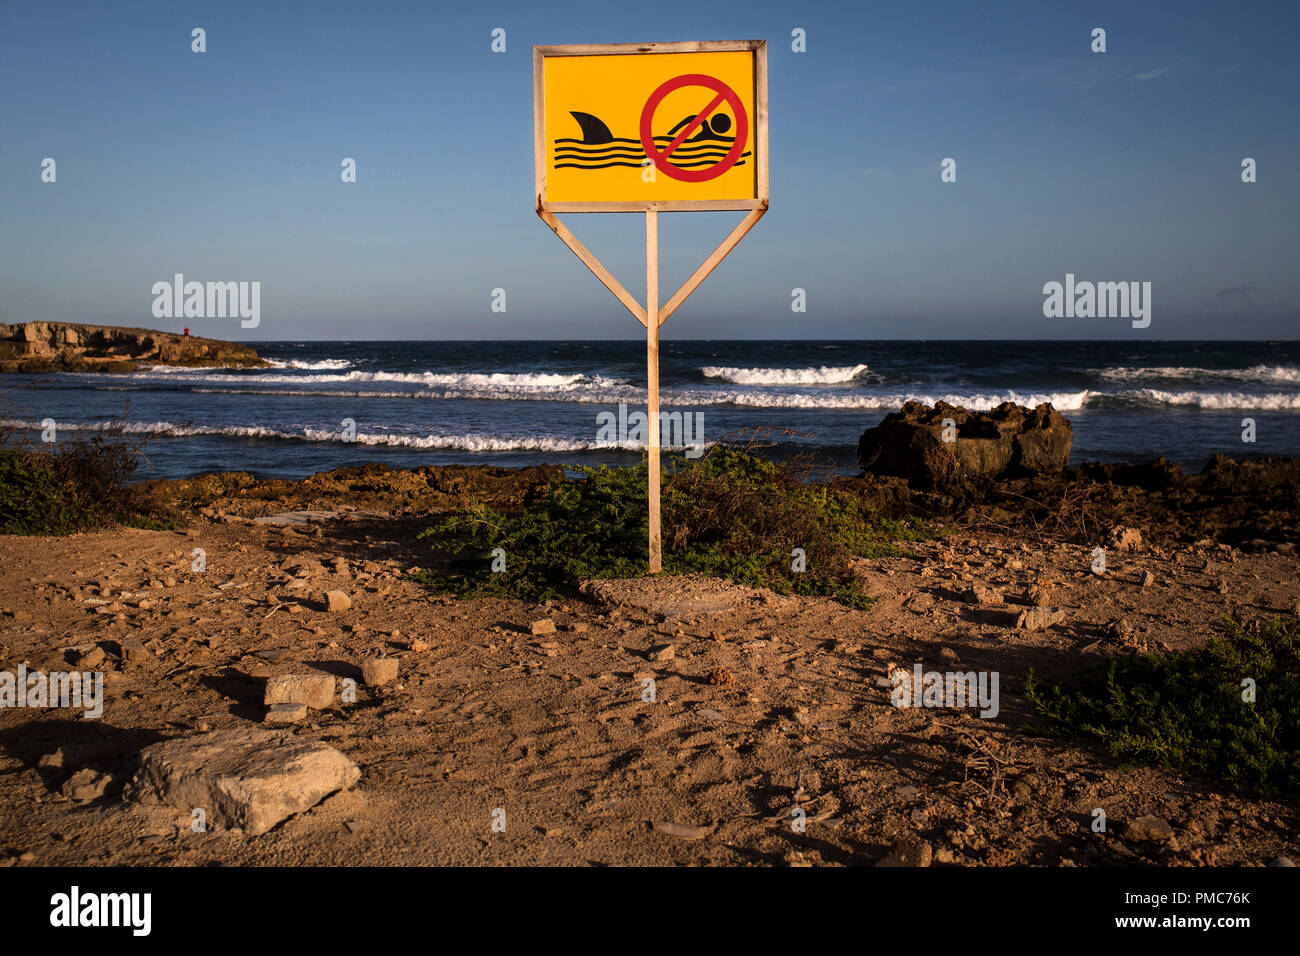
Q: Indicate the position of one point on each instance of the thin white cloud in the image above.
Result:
(1152, 74)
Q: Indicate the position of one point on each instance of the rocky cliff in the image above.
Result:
(73, 347)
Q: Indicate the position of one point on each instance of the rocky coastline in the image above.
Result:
(77, 347)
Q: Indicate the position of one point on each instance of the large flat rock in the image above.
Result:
(675, 595)
(297, 517)
(245, 779)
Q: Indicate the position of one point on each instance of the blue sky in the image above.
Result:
(225, 166)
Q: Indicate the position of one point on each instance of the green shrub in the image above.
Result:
(75, 485)
(32, 498)
(729, 515)
(1185, 711)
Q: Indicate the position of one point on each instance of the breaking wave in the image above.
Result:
(1272, 402)
(607, 392)
(1256, 373)
(471, 442)
(484, 380)
(825, 375)
(324, 365)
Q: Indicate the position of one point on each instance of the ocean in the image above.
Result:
(405, 404)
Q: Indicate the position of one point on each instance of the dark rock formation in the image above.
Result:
(1152, 475)
(1009, 441)
(73, 347)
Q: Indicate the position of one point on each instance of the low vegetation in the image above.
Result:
(1186, 711)
(730, 514)
(74, 485)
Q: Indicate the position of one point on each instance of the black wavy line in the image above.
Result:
(641, 158)
(715, 154)
(623, 150)
(707, 162)
(624, 139)
(615, 139)
(685, 148)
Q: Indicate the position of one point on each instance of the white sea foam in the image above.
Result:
(484, 380)
(324, 365)
(1256, 373)
(1274, 402)
(472, 442)
(609, 392)
(743, 398)
(825, 375)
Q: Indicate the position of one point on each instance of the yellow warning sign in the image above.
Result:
(639, 124)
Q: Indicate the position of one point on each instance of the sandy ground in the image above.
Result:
(764, 704)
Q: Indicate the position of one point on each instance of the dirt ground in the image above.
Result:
(763, 704)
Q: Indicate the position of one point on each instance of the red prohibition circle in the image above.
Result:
(661, 160)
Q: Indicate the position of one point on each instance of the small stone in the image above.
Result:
(86, 785)
(1038, 618)
(1125, 539)
(947, 655)
(544, 626)
(1119, 629)
(978, 594)
(419, 645)
(310, 690)
(721, 677)
(1148, 579)
(54, 760)
(908, 851)
(682, 830)
(663, 652)
(286, 713)
(133, 649)
(1281, 861)
(1150, 828)
(379, 671)
(91, 659)
(336, 601)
